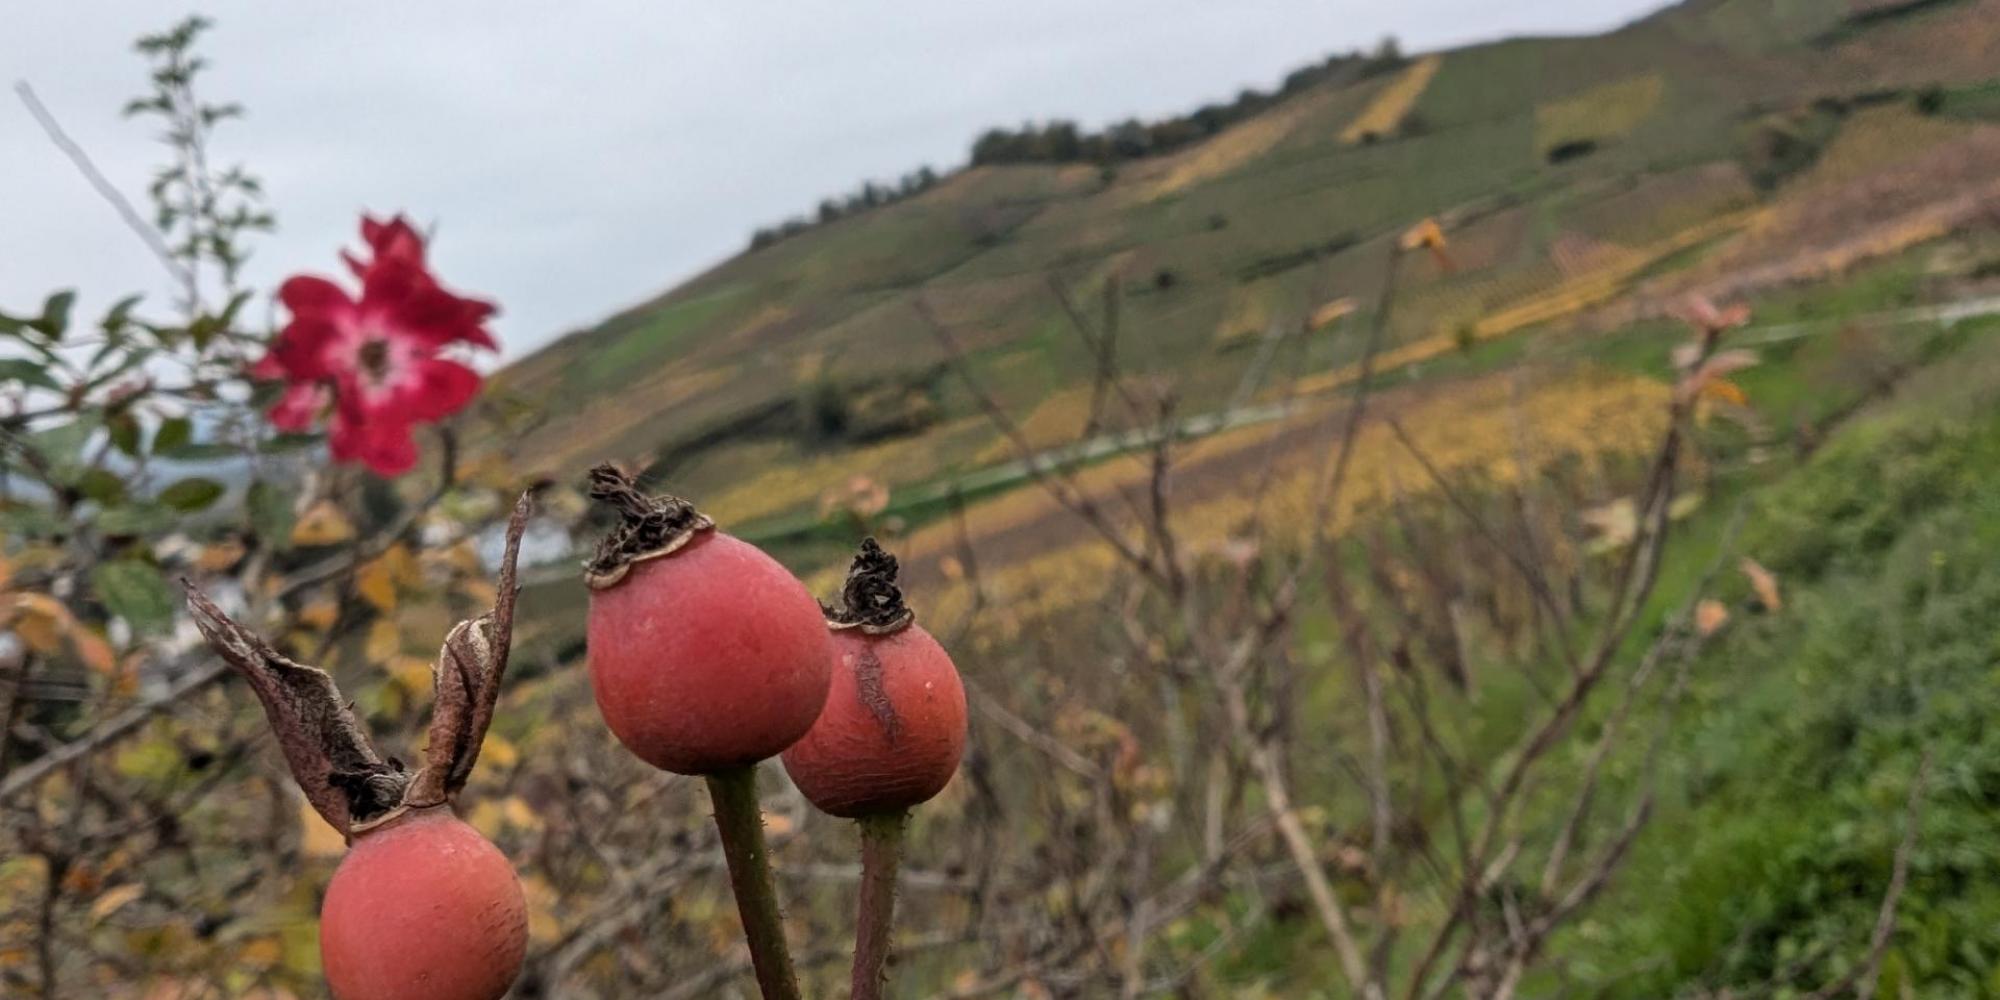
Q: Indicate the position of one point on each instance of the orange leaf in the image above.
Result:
(319, 615)
(115, 899)
(1726, 391)
(1765, 583)
(1709, 617)
(94, 651)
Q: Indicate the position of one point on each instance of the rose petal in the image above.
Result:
(439, 389)
(386, 448)
(308, 294)
(300, 407)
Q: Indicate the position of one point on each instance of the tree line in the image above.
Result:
(1064, 141)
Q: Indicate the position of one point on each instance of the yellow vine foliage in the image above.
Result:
(1602, 112)
(1393, 103)
(1057, 421)
(1484, 428)
(790, 483)
(1230, 150)
(1566, 298)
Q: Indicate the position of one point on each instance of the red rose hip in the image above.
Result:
(893, 729)
(423, 907)
(705, 653)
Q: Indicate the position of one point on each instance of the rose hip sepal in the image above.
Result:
(706, 656)
(421, 905)
(890, 738)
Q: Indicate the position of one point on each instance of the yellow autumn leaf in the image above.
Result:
(260, 953)
(385, 641)
(543, 927)
(114, 899)
(1726, 391)
(317, 837)
(319, 615)
(1330, 311)
(520, 814)
(376, 583)
(1616, 524)
(463, 557)
(488, 818)
(479, 592)
(42, 634)
(44, 606)
(498, 752)
(1424, 234)
(324, 524)
(220, 556)
(412, 673)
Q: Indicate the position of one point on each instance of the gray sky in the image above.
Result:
(577, 158)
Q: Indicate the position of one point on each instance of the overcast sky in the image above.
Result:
(577, 158)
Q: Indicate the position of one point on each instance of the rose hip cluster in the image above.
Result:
(706, 657)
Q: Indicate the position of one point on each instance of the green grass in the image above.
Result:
(1784, 803)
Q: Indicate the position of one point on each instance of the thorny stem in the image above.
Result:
(741, 824)
(881, 851)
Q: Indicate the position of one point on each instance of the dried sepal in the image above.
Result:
(467, 679)
(330, 757)
(870, 600)
(648, 526)
(342, 775)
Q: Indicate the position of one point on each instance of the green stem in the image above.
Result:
(881, 848)
(741, 823)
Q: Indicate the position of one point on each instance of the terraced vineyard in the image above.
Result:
(839, 352)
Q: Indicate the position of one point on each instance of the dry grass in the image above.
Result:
(1386, 112)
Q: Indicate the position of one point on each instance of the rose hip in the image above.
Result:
(705, 653)
(423, 907)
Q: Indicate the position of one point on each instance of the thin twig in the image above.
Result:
(132, 219)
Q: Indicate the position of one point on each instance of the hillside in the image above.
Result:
(1564, 169)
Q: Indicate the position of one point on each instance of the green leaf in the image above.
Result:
(173, 435)
(120, 313)
(134, 591)
(27, 521)
(281, 443)
(271, 514)
(27, 372)
(191, 494)
(204, 451)
(135, 520)
(101, 485)
(124, 431)
(54, 321)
